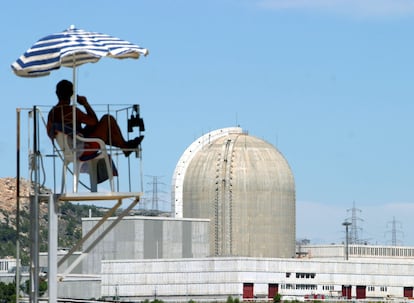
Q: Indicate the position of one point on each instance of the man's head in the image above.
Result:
(64, 90)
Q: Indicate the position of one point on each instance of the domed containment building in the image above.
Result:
(245, 187)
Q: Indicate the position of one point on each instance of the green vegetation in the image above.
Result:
(153, 301)
(42, 287)
(231, 300)
(7, 292)
(70, 229)
(277, 298)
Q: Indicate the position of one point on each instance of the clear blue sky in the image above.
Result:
(329, 83)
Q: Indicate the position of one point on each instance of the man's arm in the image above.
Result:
(90, 117)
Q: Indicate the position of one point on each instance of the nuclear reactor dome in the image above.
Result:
(245, 187)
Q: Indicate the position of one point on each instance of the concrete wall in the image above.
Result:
(80, 288)
(218, 278)
(355, 251)
(145, 238)
(43, 261)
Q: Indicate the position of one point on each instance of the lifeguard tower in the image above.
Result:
(67, 169)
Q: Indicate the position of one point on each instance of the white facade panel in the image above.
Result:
(210, 278)
(139, 235)
(172, 241)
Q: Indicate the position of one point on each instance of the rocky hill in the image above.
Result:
(70, 219)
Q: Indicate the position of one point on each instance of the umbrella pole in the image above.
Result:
(74, 99)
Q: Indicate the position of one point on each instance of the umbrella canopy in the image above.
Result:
(71, 48)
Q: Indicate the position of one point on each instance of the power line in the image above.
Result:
(155, 199)
(394, 232)
(355, 230)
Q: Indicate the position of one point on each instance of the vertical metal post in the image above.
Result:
(34, 218)
(34, 249)
(346, 224)
(18, 206)
(53, 246)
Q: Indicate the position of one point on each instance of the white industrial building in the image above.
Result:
(375, 272)
(232, 234)
(249, 278)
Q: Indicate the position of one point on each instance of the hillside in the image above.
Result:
(69, 220)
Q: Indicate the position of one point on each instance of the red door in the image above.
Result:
(361, 292)
(346, 291)
(273, 291)
(408, 292)
(247, 290)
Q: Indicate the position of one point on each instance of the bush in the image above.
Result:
(42, 287)
(7, 292)
(277, 298)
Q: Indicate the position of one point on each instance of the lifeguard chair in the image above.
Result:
(93, 157)
(89, 162)
(71, 153)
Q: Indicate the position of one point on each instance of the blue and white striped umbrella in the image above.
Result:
(71, 48)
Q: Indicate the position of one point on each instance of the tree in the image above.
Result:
(7, 292)
(42, 287)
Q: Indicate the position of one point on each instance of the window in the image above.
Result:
(306, 286)
(302, 275)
